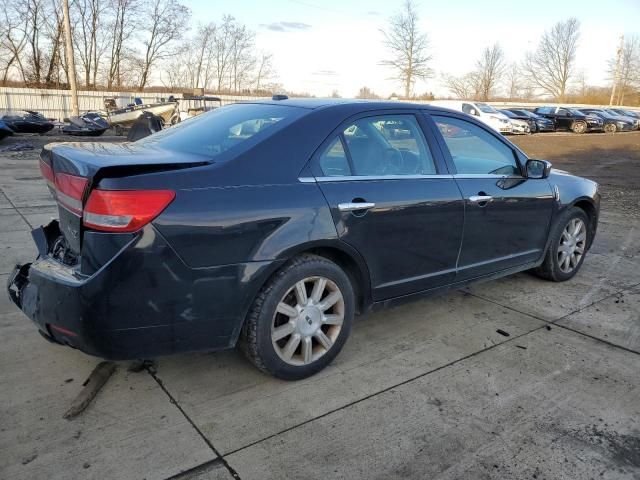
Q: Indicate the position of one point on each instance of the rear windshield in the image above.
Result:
(233, 127)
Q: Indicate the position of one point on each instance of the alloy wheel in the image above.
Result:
(572, 245)
(307, 321)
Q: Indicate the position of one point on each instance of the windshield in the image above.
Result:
(602, 114)
(508, 113)
(225, 128)
(576, 112)
(486, 108)
(528, 113)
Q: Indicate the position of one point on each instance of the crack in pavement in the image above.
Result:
(554, 322)
(387, 389)
(219, 458)
(16, 209)
(471, 355)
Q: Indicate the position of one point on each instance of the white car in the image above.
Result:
(520, 127)
(484, 112)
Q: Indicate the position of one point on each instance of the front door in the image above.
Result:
(393, 202)
(507, 216)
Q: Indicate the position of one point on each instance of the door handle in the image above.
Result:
(480, 198)
(355, 206)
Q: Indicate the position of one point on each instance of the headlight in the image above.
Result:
(621, 124)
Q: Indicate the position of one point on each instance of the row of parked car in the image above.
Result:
(548, 119)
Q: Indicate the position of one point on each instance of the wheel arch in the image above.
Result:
(588, 206)
(338, 252)
(345, 256)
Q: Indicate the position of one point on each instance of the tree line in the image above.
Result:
(550, 70)
(125, 44)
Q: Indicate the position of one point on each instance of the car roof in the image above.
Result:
(356, 104)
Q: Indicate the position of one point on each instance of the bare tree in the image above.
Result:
(552, 65)
(166, 22)
(366, 92)
(407, 47)
(13, 32)
(122, 26)
(490, 69)
(264, 70)
(90, 36)
(629, 73)
(513, 81)
(55, 29)
(465, 87)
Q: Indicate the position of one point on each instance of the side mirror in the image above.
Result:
(537, 169)
(473, 111)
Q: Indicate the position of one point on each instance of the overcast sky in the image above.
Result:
(325, 45)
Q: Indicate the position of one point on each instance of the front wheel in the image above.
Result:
(610, 128)
(567, 246)
(579, 127)
(300, 320)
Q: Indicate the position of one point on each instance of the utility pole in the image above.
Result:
(71, 64)
(616, 73)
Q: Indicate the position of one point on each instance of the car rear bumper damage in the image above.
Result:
(141, 303)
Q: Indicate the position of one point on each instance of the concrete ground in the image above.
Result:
(428, 390)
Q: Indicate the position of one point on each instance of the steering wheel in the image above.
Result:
(393, 162)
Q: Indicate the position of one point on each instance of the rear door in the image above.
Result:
(507, 216)
(393, 200)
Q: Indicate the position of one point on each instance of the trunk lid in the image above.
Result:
(85, 164)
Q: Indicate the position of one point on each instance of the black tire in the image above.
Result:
(550, 267)
(255, 338)
(579, 127)
(610, 128)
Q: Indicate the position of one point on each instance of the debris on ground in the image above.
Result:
(503, 333)
(17, 147)
(140, 365)
(90, 389)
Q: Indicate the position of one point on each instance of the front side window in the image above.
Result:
(474, 150)
(388, 145)
(468, 108)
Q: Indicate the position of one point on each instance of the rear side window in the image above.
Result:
(233, 127)
(385, 145)
(474, 150)
(333, 161)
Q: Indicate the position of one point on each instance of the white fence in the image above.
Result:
(57, 103)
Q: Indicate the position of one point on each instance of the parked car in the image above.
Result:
(612, 123)
(542, 124)
(629, 113)
(521, 126)
(571, 119)
(485, 113)
(635, 120)
(197, 238)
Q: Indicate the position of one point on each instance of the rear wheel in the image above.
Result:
(567, 248)
(610, 128)
(579, 127)
(300, 320)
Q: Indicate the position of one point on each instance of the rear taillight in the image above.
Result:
(47, 173)
(124, 210)
(70, 191)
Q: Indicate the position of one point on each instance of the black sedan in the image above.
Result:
(271, 224)
(566, 118)
(540, 124)
(612, 123)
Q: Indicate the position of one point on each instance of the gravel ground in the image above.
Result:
(605, 158)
